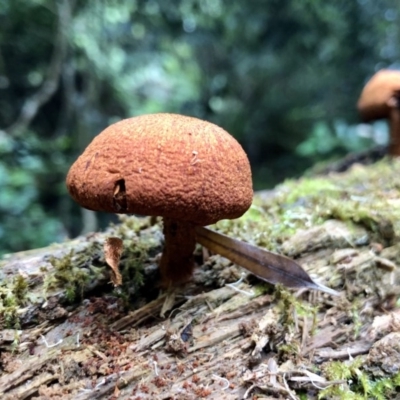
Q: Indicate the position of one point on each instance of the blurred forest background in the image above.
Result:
(282, 76)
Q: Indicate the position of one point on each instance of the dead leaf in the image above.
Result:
(268, 266)
(113, 248)
(117, 392)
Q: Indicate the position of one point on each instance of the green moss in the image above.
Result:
(262, 288)
(12, 297)
(68, 275)
(20, 288)
(291, 309)
(357, 384)
(266, 225)
(132, 225)
(141, 240)
(307, 188)
(338, 370)
(74, 272)
(132, 264)
(286, 305)
(382, 389)
(366, 196)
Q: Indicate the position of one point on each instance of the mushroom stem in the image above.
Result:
(394, 118)
(177, 263)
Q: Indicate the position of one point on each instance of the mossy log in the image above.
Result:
(67, 333)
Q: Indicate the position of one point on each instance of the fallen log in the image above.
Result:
(67, 333)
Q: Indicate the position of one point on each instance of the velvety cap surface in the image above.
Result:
(373, 102)
(166, 165)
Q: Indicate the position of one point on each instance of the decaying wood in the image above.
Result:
(217, 339)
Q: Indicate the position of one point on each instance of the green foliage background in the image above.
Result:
(282, 76)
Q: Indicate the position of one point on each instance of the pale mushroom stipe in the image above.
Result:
(380, 99)
(188, 171)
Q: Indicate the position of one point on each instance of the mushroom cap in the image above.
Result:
(374, 101)
(165, 165)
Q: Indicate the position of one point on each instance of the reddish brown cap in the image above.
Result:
(164, 165)
(375, 99)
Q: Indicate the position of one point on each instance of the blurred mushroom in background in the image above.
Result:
(380, 99)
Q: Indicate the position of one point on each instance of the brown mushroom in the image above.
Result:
(190, 172)
(380, 99)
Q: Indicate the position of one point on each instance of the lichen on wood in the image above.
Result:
(67, 333)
